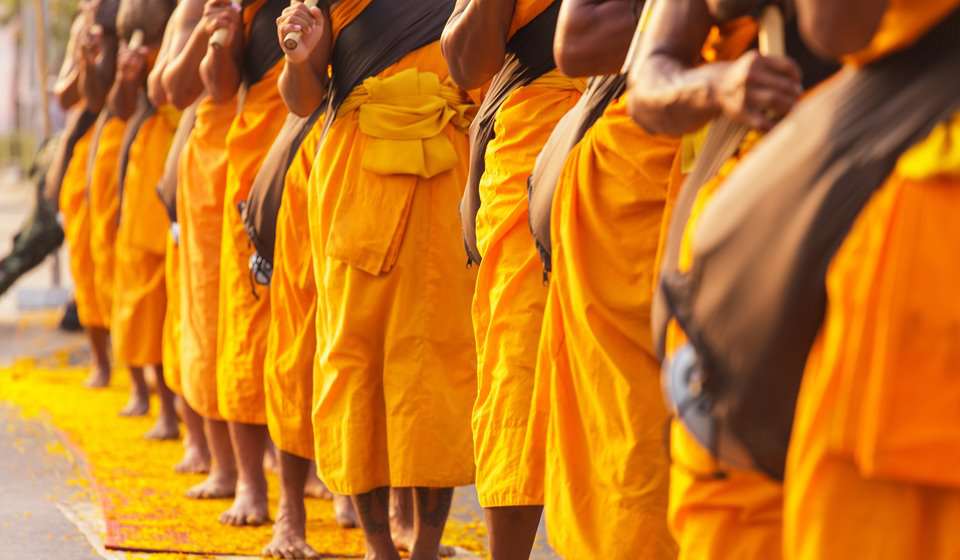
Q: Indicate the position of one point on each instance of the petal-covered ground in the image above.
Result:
(142, 498)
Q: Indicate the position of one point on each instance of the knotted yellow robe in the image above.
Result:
(75, 208)
(872, 466)
(292, 337)
(738, 516)
(171, 321)
(599, 409)
(510, 293)
(103, 191)
(202, 180)
(396, 369)
(244, 307)
(140, 294)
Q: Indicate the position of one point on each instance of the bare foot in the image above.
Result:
(196, 460)
(138, 405)
(315, 488)
(164, 430)
(249, 508)
(344, 513)
(217, 485)
(98, 378)
(289, 535)
(404, 537)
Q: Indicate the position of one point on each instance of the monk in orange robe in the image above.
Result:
(598, 418)
(140, 298)
(736, 514)
(396, 355)
(249, 56)
(202, 178)
(74, 203)
(510, 294)
(871, 469)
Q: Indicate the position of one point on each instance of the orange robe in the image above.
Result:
(872, 466)
(75, 207)
(104, 196)
(140, 294)
(202, 177)
(245, 308)
(171, 321)
(510, 293)
(292, 337)
(599, 408)
(397, 366)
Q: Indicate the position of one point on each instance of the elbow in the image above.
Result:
(834, 36)
(571, 59)
(470, 69)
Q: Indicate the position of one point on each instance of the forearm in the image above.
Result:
(181, 75)
(302, 87)
(96, 79)
(835, 29)
(667, 97)
(67, 89)
(123, 99)
(220, 73)
(593, 36)
(474, 40)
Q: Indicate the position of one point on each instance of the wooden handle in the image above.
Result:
(771, 32)
(292, 40)
(219, 37)
(136, 40)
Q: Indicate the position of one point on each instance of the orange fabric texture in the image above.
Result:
(202, 180)
(171, 321)
(104, 197)
(510, 295)
(524, 11)
(245, 309)
(599, 407)
(292, 337)
(140, 293)
(903, 23)
(877, 430)
(342, 13)
(75, 207)
(396, 367)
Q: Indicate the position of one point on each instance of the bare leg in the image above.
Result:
(222, 481)
(250, 503)
(271, 463)
(512, 531)
(432, 509)
(373, 510)
(100, 348)
(402, 522)
(167, 426)
(139, 403)
(196, 455)
(344, 512)
(290, 529)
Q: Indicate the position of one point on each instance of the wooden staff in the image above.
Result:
(219, 37)
(136, 40)
(771, 32)
(292, 39)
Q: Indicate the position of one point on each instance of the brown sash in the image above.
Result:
(600, 92)
(79, 123)
(261, 49)
(167, 187)
(529, 56)
(754, 300)
(262, 206)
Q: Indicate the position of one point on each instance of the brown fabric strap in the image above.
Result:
(261, 49)
(600, 92)
(529, 56)
(78, 124)
(167, 186)
(754, 300)
(262, 206)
